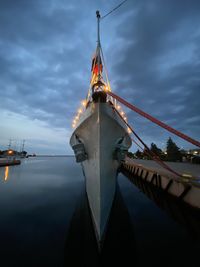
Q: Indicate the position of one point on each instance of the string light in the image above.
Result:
(106, 88)
(80, 110)
(84, 103)
(129, 130)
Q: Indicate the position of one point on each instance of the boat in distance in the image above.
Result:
(100, 141)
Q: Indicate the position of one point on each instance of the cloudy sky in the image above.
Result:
(152, 51)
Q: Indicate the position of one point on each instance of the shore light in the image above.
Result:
(10, 152)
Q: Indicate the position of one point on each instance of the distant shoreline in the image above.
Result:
(51, 156)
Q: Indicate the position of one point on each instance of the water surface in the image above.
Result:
(45, 221)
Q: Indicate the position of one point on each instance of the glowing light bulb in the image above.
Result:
(106, 88)
(129, 130)
(84, 103)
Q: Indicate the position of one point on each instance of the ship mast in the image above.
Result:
(96, 82)
(98, 43)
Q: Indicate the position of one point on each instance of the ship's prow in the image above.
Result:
(103, 137)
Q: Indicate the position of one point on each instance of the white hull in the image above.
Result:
(100, 128)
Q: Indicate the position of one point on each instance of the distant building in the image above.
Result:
(195, 152)
(12, 153)
(192, 156)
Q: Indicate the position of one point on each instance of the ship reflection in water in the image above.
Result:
(119, 244)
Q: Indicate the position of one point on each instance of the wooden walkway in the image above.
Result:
(185, 188)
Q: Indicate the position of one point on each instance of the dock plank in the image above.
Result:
(180, 167)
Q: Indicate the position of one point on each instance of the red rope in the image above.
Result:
(148, 151)
(154, 120)
(153, 155)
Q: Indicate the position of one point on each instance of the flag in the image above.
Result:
(95, 67)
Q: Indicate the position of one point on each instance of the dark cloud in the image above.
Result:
(159, 63)
(41, 60)
(151, 49)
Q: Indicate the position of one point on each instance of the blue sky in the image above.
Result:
(152, 51)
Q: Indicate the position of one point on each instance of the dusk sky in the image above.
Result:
(152, 53)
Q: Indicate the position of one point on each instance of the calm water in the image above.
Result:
(44, 221)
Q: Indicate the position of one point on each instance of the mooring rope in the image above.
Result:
(150, 153)
(154, 120)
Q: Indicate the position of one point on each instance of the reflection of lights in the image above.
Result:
(10, 152)
(165, 152)
(6, 173)
(195, 152)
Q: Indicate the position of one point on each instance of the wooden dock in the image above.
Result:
(185, 188)
(9, 162)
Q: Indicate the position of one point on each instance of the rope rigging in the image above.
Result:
(154, 120)
(118, 6)
(155, 157)
(147, 150)
(146, 115)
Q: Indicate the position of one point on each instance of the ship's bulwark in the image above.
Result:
(100, 130)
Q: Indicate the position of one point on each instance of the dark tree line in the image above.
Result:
(172, 152)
